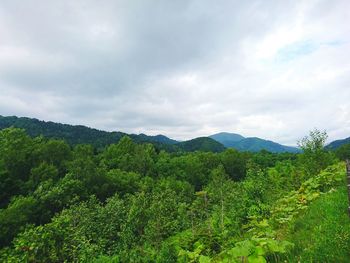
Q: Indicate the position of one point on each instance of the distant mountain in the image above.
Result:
(73, 134)
(78, 134)
(204, 144)
(336, 144)
(252, 144)
(226, 138)
(149, 138)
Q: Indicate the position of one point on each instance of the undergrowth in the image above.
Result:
(322, 233)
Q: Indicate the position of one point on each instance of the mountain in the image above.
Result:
(252, 144)
(204, 144)
(73, 134)
(255, 144)
(336, 144)
(149, 138)
(78, 134)
(226, 138)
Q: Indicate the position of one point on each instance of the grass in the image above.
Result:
(322, 234)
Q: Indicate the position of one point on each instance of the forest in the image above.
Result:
(133, 202)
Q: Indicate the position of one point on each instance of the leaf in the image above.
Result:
(256, 259)
(243, 248)
(204, 259)
(259, 251)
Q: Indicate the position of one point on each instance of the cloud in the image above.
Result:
(181, 68)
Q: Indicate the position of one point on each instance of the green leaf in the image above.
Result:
(204, 259)
(256, 259)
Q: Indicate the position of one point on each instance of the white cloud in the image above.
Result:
(187, 68)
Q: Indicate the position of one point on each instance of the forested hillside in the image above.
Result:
(226, 138)
(73, 134)
(338, 143)
(202, 143)
(78, 134)
(131, 203)
(252, 144)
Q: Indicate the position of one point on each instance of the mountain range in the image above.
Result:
(336, 144)
(78, 134)
(252, 144)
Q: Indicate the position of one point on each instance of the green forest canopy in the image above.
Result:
(129, 202)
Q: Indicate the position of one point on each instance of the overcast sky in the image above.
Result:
(271, 69)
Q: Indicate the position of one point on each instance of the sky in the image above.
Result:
(270, 69)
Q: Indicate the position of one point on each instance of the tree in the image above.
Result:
(314, 142)
(120, 155)
(15, 162)
(42, 173)
(343, 152)
(314, 157)
(55, 152)
(235, 164)
(19, 212)
(16, 149)
(122, 182)
(130, 157)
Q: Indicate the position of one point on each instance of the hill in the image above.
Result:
(253, 144)
(78, 134)
(336, 144)
(149, 138)
(226, 138)
(204, 144)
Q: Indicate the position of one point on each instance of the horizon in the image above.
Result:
(179, 140)
(182, 69)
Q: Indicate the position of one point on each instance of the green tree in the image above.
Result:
(343, 152)
(21, 211)
(55, 152)
(314, 157)
(235, 164)
(16, 160)
(122, 182)
(42, 173)
(120, 155)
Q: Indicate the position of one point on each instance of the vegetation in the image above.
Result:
(252, 144)
(131, 202)
(343, 152)
(338, 143)
(204, 144)
(256, 144)
(78, 134)
(323, 231)
(99, 139)
(72, 134)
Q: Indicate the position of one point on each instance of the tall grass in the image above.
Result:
(322, 234)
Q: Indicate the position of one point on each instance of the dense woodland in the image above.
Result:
(78, 134)
(134, 202)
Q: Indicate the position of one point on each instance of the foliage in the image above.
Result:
(201, 144)
(343, 152)
(131, 202)
(322, 233)
(314, 157)
(338, 143)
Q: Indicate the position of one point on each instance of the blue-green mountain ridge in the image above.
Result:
(78, 134)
